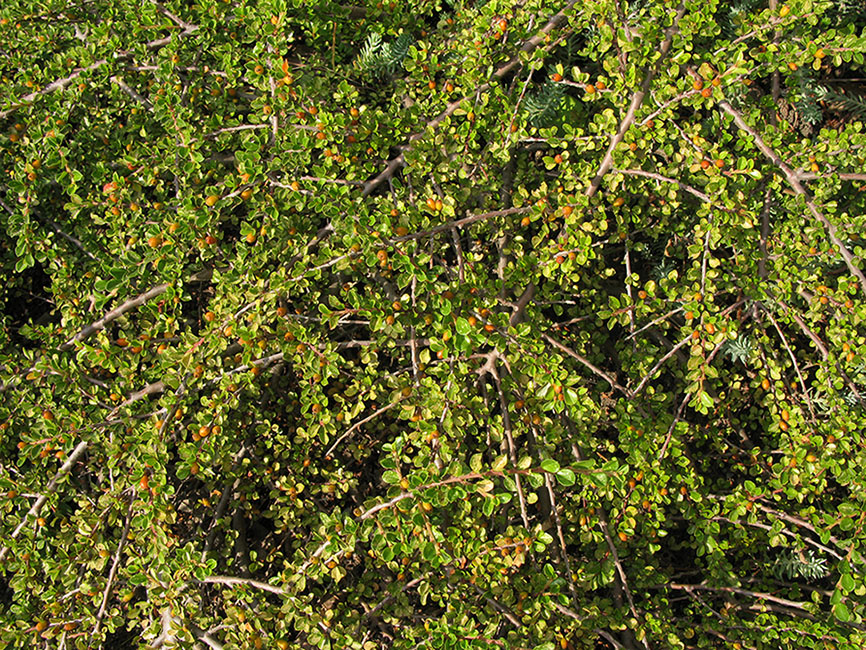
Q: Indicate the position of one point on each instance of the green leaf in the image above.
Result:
(565, 477)
(840, 611)
(550, 465)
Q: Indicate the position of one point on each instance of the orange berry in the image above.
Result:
(590, 89)
(698, 84)
(556, 77)
(706, 92)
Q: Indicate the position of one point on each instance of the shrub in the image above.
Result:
(437, 325)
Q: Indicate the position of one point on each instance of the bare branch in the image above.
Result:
(398, 161)
(636, 101)
(664, 179)
(660, 363)
(113, 571)
(116, 313)
(798, 188)
(60, 84)
(120, 83)
(80, 448)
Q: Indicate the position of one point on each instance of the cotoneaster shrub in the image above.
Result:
(432, 324)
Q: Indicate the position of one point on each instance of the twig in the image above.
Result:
(656, 321)
(387, 599)
(798, 188)
(743, 592)
(563, 552)
(787, 533)
(56, 227)
(187, 27)
(605, 529)
(799, 522)
(825, 353)
(52, 484)
(458, 250)
(60, 84)
(398, 161)
(499, 608)
(359, 424)
(113, 571)
(512, 452)
(765, 235)
(120, 83)
(636, 101)
(842, 176)
(459, 223)
(664, 179)
(115, 313)
(593, 368)
(413, 344)
(674, 424)
(222, 506)
(793, 361)
(628, 290)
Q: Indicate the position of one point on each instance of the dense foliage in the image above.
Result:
(432, 324)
